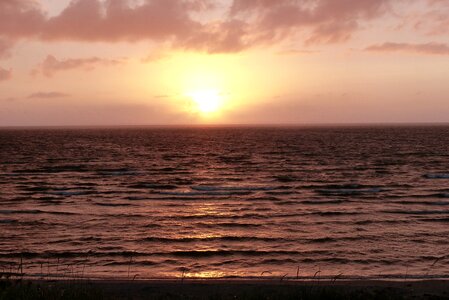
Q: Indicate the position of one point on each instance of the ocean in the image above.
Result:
(287, 202)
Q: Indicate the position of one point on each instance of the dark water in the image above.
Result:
(226, 202)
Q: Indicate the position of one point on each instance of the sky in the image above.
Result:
(157, 62)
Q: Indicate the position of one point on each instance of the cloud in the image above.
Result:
(429, 48)
(47, 95)
(220, 37)
(240, 25)
(434, 20)
(115, 20)
(52, 65)
(297, 52)
(156, 55)
(328, 21)
(236, 25)
(5, 74)
(20, 18)
(9, 99)
(88, 114)
(5, 47)
(110, 20)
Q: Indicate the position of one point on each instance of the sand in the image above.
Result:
(245, 289)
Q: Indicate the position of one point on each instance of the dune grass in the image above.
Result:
(28, 290)
(14, 284)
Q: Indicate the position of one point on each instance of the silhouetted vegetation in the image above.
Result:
(53, 290)
(28, 290)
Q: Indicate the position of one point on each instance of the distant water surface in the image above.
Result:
(210, 202)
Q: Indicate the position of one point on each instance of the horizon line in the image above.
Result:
(233, 125)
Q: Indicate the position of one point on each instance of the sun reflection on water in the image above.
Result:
(204, 274)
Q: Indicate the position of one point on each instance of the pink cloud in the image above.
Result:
(20, 18)
(47, 95)
(328, 21)
(238, 26)
(116, 20)
(245, 23)
(297, 52)
(220, 37)
(5, 74)
(5, 47)
(429, 48)
(95, 20)
(433, 20)
(154, 56)
(266, 22)
(52, 65)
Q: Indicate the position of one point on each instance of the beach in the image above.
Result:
(224, 289)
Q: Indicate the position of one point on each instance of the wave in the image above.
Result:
(275, 261)
(211, 253)
(112, 204)
(206, 188)
(8, 221)
(416, 212)
(35, 211)
(443, 220)
(217, 238)
(158, 186)
(349, 191)
(71, 193)
(134, 263)
(70, 254)
(41, 188)
(265, 216)
(353, 186)
(44, 188)
(227, 216)
(206, 193)
(431, 203)
(275, 240)
(337, 213)
(116, 172)
(437, 176)
(229, 225)
(55, 169)
(286, 178)
(189, 253)
(320, 202)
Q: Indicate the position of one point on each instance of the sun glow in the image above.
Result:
(208, 88)
(206, 101)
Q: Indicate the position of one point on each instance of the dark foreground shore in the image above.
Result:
(223, 289)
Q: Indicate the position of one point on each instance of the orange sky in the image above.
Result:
(143, 62)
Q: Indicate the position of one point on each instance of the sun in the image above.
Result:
(206, 101)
